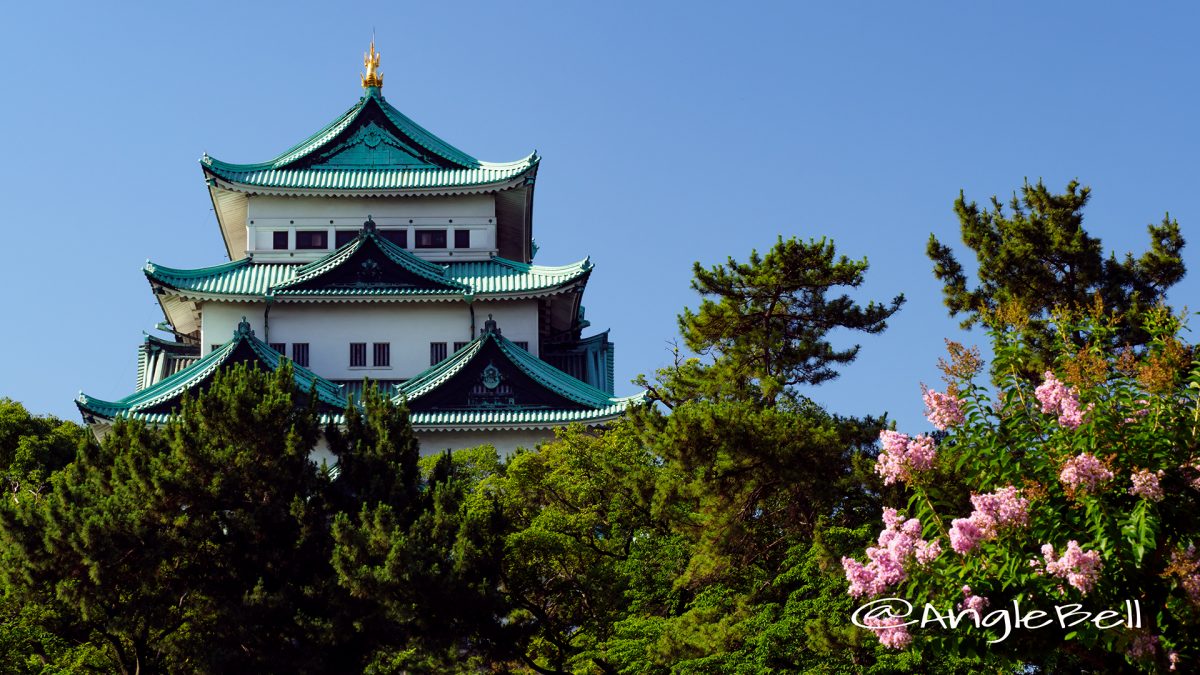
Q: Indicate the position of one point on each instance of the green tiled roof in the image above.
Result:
(539, 371)
(157, 399)
(433, 275)
(372, 146)
(156, 404)
(246, 278)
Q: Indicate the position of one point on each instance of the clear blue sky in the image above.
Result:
(670, 133)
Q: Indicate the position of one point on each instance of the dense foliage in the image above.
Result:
(732, 525)
(1083, 490)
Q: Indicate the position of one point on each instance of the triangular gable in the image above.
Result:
(370, 264)
(493, 373)
(371, 134)
(165, 396)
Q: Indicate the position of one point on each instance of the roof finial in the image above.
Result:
(243, 329)
(489, 327)
(373, 78)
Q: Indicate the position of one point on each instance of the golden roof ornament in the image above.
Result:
(373, 78)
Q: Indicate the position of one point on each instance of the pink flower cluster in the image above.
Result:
(892, 632)
(1083, 471)
(973, 603)
(993, 512)
(901, 456)
(1143, 646)
(942, 410)
(1145, 485)
(1080, 569)
(899, 543)
(1187, 565)
(1059, 399)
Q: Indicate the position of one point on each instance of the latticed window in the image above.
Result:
(437, 353)
(460, 345)
(382, 356)
(358, 354)
(279, 240)
(300, 353)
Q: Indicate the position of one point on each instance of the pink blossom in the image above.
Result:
(1143, 646)
(1059, 399)
(1173, 659)
(1081, 569)
(1084, 471)
(1186, 564)
(973, 603)
(1145, 485)
(899, 544)
(994, 512)
(901, 456)
(942, 410)
(965, 535)
(891, 631)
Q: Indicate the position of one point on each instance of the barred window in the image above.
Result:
(300, 353)
(382, 354)
(437, 353)
(522, 344)
(460, 345)
(358, 354)
(279, 240)
(280, 347)
(462, 239)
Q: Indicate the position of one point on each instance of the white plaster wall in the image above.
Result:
(506, 442)
(329, 328)
(354, 210)
(268, 214)
(218, 320)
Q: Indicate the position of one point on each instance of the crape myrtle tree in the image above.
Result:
(1035, 256)
(1081, 489)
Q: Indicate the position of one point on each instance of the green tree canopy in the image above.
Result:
(1036, 256)
(767, 321)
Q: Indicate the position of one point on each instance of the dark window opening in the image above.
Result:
(431, 239)
(215, 348)
(280, 347)
(300, 353)
(437, 353)
(343, 237)
(311, 240)
(462, 239)
(397, 237)
(358, 355)
(279, 240)
(522, 344)
(382, 354)
(460, 345)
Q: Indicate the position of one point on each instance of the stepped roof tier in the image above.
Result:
(372, 150)
(157, 402)
(369, 268)
(491, 383)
